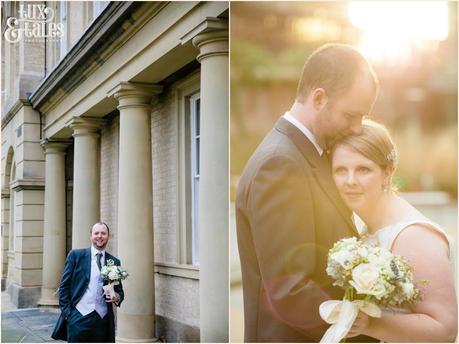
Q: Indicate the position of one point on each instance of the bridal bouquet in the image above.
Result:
(112, 274)
(372, 277)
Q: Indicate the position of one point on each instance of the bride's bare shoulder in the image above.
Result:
(421, 238)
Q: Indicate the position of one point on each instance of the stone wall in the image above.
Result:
(109, 144)
(25, 186)
(164, 155)
(177, 298)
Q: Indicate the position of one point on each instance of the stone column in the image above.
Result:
(136, 317)
(86, 178)
(214, 184)
(54, 234)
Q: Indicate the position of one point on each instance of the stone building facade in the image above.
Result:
(122, 117)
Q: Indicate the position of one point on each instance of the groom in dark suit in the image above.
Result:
(86, 313)
(288, 210)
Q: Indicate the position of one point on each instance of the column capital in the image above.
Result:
(54, 146)
(85, 125)
(210, 37)
(207, 25)
(134, 94)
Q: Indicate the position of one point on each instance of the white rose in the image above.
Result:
(362, 251)
(408, 289)
(380, 260)
(113, 275)
(343, 258)
(365, 279)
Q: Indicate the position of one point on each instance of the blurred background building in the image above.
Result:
(413, 46)
(117, 112)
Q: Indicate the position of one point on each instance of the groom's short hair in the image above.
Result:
(100, 223)
(333, 67)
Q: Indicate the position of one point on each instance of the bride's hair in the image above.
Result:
(374, 143)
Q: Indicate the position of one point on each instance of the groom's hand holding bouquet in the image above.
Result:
(372, 277)
(112, 274)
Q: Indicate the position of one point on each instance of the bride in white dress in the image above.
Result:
(362, 168)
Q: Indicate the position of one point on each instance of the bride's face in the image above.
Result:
(359, 180)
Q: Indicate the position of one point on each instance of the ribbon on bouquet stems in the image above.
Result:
(110, 288)
(342, 314)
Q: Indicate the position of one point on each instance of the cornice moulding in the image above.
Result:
(117, 23)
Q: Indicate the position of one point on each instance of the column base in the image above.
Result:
(175, 331)
(49, 298)
(48, 303)
(135, 328)
(23, 297)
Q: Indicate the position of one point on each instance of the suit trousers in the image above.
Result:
(90, 328)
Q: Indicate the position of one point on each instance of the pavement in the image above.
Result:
(27, 325)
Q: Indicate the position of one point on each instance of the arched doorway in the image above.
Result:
(8, 219)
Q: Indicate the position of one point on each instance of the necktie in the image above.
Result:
(99, 256)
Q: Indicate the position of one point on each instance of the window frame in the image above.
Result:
(195, 139)
(188, 88)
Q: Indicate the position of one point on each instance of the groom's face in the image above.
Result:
(99, 236)
(343, 114)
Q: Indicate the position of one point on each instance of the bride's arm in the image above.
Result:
(434, 318)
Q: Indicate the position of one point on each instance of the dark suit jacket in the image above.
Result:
(74, 283)
(288, 215)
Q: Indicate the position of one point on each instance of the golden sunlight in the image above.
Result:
(390, 29)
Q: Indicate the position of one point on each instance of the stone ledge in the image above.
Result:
(28, 184)
(179, 270)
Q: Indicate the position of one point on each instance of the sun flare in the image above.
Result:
(391, 28)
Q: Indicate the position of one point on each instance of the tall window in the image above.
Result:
(195, 136)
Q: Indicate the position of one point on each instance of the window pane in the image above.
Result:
(198, 117)
(195, 170)
(198, 140)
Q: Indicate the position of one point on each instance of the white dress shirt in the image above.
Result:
(305, 131)
(93, 298)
